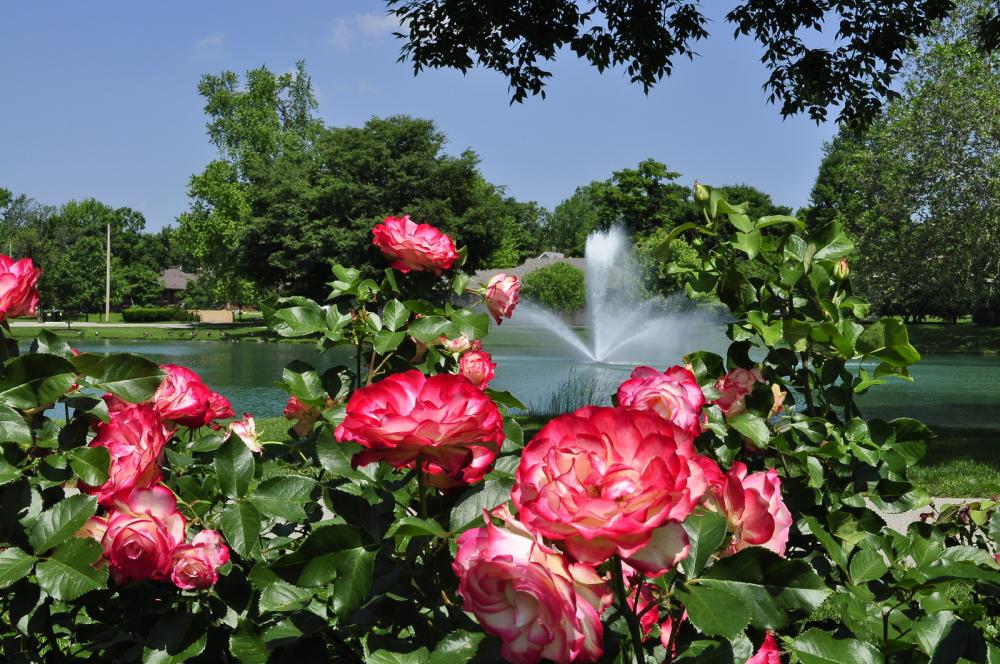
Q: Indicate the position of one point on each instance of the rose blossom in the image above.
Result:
(673, 395)
(753, 505)
(459, 345)
(735, 387)
(606, 481)
(140, 534)
(246, 430)
(439, 420)
(768, 653)
(528, 595)
(135, 437)
(418, 247)
(195, 565)
(478, 367)
(304, 416)
(18, 287)
(182, 397)
(501, 296)
(219, 408)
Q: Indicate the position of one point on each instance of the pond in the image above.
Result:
(956, 390)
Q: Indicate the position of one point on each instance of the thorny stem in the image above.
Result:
(631, 619)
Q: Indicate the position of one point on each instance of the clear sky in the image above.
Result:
(100, 100)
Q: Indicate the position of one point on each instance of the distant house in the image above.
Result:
(542, 260)
(175, 281)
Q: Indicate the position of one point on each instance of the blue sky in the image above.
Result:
(100, 99)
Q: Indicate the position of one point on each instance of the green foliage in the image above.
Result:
(915, 189)
(559, 287)
(154, 314)
(646, 37)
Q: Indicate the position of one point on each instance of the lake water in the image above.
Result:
(947, 389)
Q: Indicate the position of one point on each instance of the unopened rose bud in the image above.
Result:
(701, 192)
(841, 270)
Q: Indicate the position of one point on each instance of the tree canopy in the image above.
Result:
(645, 37)
(916, 190)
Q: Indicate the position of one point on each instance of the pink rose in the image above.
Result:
(195, 565)
(304, 416)
(529, 596)
(219, 408)
(478, 367)
(735, 387)
(753, 505)
(459, 345)
(246, 430)
(418, 247)
(182, 396)
(140, 534)
(606, 481)
(18, 287)
(768, 653)
(501, 296)
(673, 395)
(135, 437)
(439, 420)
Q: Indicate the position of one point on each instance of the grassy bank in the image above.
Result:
(931, 338)
(201, 332)
(960, 463)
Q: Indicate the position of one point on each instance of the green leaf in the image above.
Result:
(70, 572)
(429, 328)
(175, 638)
(284, 497)
(486, 496)
(832, 243)
(8, 473)
(241, 526)
(281, 597)
(15, 564)
(385, 341)
(819, 647)
(58, 523)
(301, 318)
(770, 586)
(753, 427)
(247, 646)
(835, 550)
(506, 399)
(13, 428)
(52, 344)
(90, 464)
(457, 646)
(418, 656)
(34, 380)
(748, 243)
(131, 377)
(867, 565)
(473, 325)
(776, 219)
(715, 612)
(234, 466)
(302, 381)
(409, 526)
(394, 315)
(706, 532)
(354, 579)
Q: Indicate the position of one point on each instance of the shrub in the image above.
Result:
(155, 314)
(559, 287)
(987, 313)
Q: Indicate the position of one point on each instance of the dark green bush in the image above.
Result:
(559, 286)
(155, 314)
(987, 313)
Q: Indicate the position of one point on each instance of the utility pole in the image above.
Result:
(107, 281)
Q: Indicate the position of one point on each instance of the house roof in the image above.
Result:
(529, 266)
(175, 278)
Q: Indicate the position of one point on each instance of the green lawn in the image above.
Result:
(957, 338)
(208, 332)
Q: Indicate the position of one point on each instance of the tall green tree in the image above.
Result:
(916, 190)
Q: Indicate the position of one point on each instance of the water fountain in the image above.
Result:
(624, 326)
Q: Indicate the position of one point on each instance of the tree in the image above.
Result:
(567, 228)
(315, 209)
(559, 287)
(255, 126)
(915, 190)
(646, 36)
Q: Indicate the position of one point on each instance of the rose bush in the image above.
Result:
(18, 287)
(721, 512)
